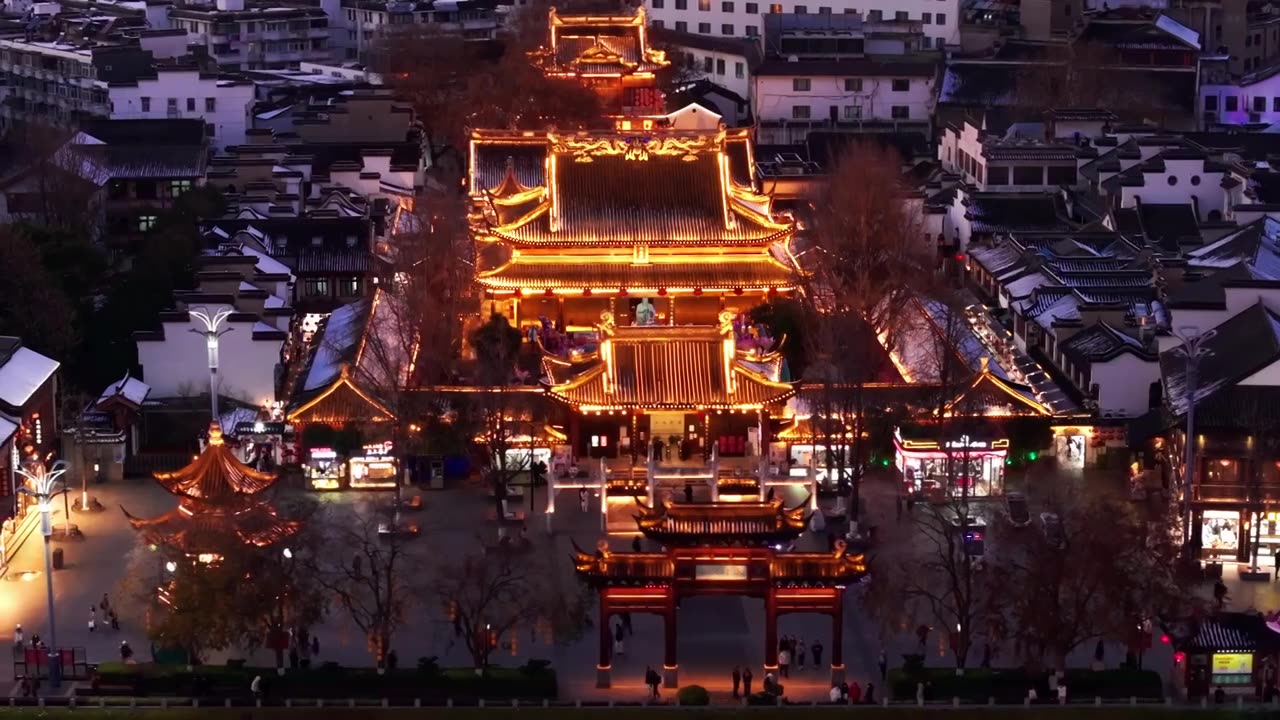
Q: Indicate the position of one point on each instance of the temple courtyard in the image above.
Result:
(715, 633)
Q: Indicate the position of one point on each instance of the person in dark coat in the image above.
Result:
(816, 650)
(746, 682)
(737, 680)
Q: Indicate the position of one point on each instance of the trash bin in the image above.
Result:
(57, 558)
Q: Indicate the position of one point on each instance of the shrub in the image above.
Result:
(1010, 686)
(762, 698)
(693, 695)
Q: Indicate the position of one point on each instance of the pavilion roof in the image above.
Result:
(661, 366)
(599, 45)
(736, 523)
(199, 528)
(216, 475)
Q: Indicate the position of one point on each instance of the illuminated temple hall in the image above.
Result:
(609, 53)
(720, 549)
(218, 504)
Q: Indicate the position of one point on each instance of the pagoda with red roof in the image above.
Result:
(218, 505)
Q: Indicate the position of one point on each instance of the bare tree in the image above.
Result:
(869, 256)
(1092, 75)
(372, 585)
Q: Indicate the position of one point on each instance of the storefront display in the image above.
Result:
(1232, 669)
(827, 462)
(375, 469)
(1220, 532)
(931, 468)
(323, 470)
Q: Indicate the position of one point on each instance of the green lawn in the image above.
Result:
(898, 713)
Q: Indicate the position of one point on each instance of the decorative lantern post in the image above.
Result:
(212, 331)
(44, 484)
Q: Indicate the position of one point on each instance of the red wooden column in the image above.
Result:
(603, 669)
(770, 634)
(670, 666)
(837, 639)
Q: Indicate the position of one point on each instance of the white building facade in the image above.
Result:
(188, 94)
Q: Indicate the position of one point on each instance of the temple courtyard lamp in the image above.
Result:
(213, 329)
(44, 484)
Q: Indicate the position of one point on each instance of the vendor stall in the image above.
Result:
(937, 466)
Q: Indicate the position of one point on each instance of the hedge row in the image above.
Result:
(1011, 686)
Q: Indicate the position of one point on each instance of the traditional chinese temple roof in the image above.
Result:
(599, 45)
(660, 366)
(216, 475)
(791, 569)
(195, 528)
(721, 523)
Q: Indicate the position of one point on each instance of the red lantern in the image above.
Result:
(662, 292)
(586, 292)
(697, 292)
(773, 292)
(737, 291)
(549, 292)
(622, 292)
(519, 292)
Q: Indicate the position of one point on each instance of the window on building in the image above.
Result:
(941, 18)
(753, 31)
(901, 16)
(682, 26)
(726, 29)
(801, 9)
(682, 4)
(144, 189)
(938, 43)
(191, 104)
(901, 85)
(1232, 103)
(726, 7)
(1061, 175)
(1259, 104)
(800, 112)
(1173, 180)
(997, 175)
(853, 84)
(926, 18)
(800, 84)
(704, 28)
(657, 23)
(775, 8)
(708, 65)
(824, 11)
(1275, 104)
(315, 287)
(900, 112)
(146, 104)
(1195, 180)
(753, 9)
(875, 15)
(1211, 102)
(179, 187)
(851, 112)
(146, 222)
(349, 287)
(658, 4)
(210, 105)
(1028, 175)
(704, 5)
(719, 66)
(739, 70)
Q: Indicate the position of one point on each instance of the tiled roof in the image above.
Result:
(528, 160)
(692, 523)
(1239, 347)
(1101, 342)
(339, 403)
(197, 528)
(755, 272)
(336, 261)
(1016, 213)
(668, 367)
(215, 475)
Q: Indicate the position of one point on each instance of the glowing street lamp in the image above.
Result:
(212, 331)
(44, 484)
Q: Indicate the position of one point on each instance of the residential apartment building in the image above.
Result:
(359, 24)
(939, 19)
(54, 82)
(258, 35)
(838, 72)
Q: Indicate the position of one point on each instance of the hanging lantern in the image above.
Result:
(549, 292)
(737, 291)
(697, 292)
(586, 292)
(622, 292)
(773, 292)
(662, 292)
(519, 292)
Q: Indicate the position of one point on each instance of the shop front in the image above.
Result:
(1237, 652)
(264, 445)
(323, 470)
(933, 467)
(375, 468)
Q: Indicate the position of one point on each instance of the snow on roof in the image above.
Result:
(342, 331)
(128, 387)
(1178, 30)
(1024, 286)
(266, 264)
(274, 302)
(247, 286)
(233, 417)
(23, 375)
(264, 327)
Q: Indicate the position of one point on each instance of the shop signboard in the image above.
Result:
(1233, 663)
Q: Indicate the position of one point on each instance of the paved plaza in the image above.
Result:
(715, 633)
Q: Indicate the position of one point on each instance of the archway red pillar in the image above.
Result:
(603, 669)
(837, 641)
(770, 633)
(670, 665)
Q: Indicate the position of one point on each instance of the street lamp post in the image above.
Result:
(1193, 349)
(213, 329)
(44, 484)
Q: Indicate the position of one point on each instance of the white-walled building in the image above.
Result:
(1019, 159)
(262, 35)
(359, 24)
(1238, 100)
(186, 93)
(728, 62)
(939, 19)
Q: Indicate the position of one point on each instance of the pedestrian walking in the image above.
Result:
(105, 604)
(17, 635)
(93, 618)
(922, 634)
(315, 646)
(126, 652)
(626, 623)
(855, 693)
(920, 693)
(635, 544)
(1276, 558)
(746, 681)
(584, 499)
(618, 647)
(652, 679)
(869, 697)
(816, 649)
(801, 650)
(688, 492)
(1062, 693)
(784, 663)
(114, 619)
(1220, 592)
(737, 681)
(255, 687)
(884, 666)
